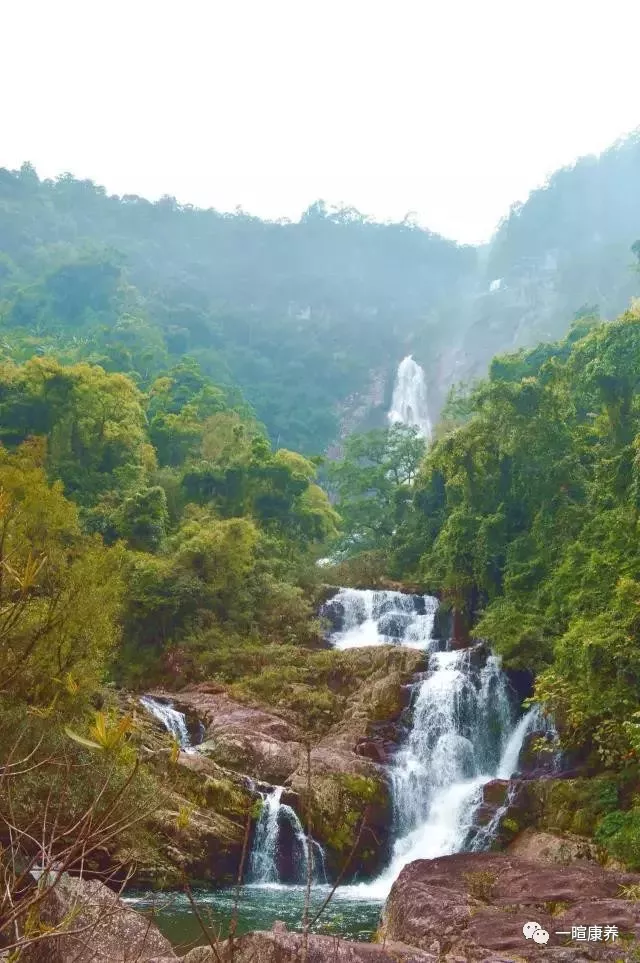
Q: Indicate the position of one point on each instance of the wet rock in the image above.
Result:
(442, 623)
(372, 749)
(96, 927)
(495, 792)
(472, 906)
(207, 845)
(393, 625)
(349, 777)
(333, 611)
(283, 947)
(477, 655)
(347, 789)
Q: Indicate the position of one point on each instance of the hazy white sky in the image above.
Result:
(449, 108)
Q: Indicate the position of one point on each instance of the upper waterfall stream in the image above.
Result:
(361, 617)
(409, 404)
(174, 721)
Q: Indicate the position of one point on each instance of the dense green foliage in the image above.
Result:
(145, 536)
(160, 368)
(305, 318)
(372, 481)
(220, 528)
(296, 315)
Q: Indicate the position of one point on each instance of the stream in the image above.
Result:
(465, 730)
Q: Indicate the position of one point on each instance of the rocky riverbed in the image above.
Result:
(463, 907)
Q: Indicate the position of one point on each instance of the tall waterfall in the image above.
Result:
(267, 856)
(173, 721)
(409, 405)
(368, 617)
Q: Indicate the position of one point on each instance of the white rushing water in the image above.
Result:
(409, 403)
(266, 853)
(464, 731)
(461, 726)
(361, 617)
(173, 720)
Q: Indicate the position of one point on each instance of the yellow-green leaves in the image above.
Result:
(105, 735)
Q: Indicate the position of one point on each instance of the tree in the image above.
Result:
(373, 482)
(60, 591)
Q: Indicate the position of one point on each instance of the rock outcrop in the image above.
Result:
(349, 781)
(348, 763)
(283, 947)
(547, 847)
(95, 927)
(243, 737)
(472, 906)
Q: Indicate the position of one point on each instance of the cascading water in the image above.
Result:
(409, 404)
(173, 721)
(368, 617)
(461, 723)
(264, 864)
(462, 733)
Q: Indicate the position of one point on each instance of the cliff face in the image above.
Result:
(363, 410)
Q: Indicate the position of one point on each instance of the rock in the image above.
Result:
(544, 847)
(203, 845)
(348, 779)
(243, 737)
(345, 786)
(393, 625)
(533, 764)
(348, 769)
(472, 906)
(100, 928)
(283, 947)
(494, 793)
(200, 954)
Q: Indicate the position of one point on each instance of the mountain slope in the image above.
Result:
(310, 319)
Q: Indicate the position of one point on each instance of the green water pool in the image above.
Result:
(259, 907)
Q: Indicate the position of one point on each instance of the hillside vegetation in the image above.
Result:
(306, 322)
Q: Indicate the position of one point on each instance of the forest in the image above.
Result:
(171, 381)
(293, 315)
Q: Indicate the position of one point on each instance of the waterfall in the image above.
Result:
(461, 719)
(463, 734)
(533, 721)
(268, 844)
(173, 721)
(360, 617)
(409, 404)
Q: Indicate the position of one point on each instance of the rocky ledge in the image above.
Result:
(245, 738)
(472, 907)
(279, 946)
(349, 779)
(92, 925)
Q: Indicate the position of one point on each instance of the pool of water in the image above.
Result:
(259, 907)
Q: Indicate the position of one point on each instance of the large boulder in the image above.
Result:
(283, 947)
(199, 845)
(349, 781)
(544, 847)
(197, 830)
(95, 927)
(242, 737)
(472, 906)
